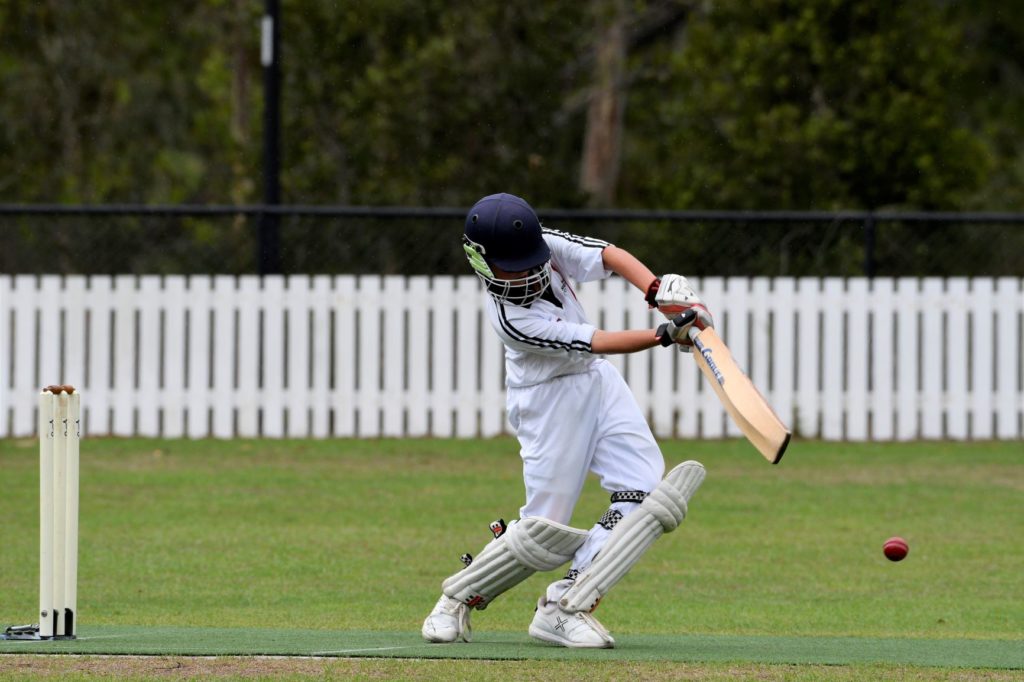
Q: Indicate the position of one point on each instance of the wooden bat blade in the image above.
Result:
(744, 403)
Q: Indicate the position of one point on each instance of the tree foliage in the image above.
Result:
(767, 104)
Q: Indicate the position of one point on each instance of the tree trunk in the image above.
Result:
(602, 142)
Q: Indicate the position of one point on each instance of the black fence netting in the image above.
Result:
(231, 240)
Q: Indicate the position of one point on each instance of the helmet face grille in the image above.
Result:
(521, 292)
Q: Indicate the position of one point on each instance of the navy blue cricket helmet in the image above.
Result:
(503, 231)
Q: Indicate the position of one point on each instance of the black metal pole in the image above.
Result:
(869, 245)
(268, 255)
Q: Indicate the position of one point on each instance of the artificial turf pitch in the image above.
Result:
(123, 640)
(340, 546)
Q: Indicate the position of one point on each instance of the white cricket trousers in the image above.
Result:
(580, 423)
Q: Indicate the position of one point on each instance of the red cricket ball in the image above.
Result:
(895, 548)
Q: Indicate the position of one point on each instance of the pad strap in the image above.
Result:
(628, 496)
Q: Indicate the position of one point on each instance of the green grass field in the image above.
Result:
(338, 548)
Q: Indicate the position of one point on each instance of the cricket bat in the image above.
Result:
(744, 403)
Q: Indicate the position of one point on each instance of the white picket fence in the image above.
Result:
(371, 356)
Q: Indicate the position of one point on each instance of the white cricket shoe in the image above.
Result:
(448, 622)
(577, 630)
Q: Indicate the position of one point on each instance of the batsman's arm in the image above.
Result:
(632, 340)
(626, 265)
(626, 341)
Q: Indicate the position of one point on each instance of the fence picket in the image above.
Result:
(1009, 306)
(687, 384)
(444, 297)
(613, 314)
(50, 333)
(760, 334)
(956, 307)
(932, 356)
(199, 394)
(982, 358)
(5, 354)
(345, 335)
(392, 351)
(417, 360)
(297, 398)
(223, 361)
(369, 307)
(24, 384)
(173, 386)
(857, 346)
(74, 308)
(248, 359)
(881, 356)
(274, 358)
(832, 365)
(782, 386)
(149, 355)
(320, 362)
(125, 355)
(808, 349)
(908, 353)
(710, 409)
(663, 367)
(96, 415)
(469, 328)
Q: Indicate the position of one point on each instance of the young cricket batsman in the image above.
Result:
(573, 414)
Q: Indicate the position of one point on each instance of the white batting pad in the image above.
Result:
(661, 512)
(529, 545)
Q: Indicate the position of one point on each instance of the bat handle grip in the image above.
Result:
(687, 318)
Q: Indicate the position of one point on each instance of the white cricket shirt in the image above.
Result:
(545, 340)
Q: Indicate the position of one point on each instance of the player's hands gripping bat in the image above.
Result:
(672, 295)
